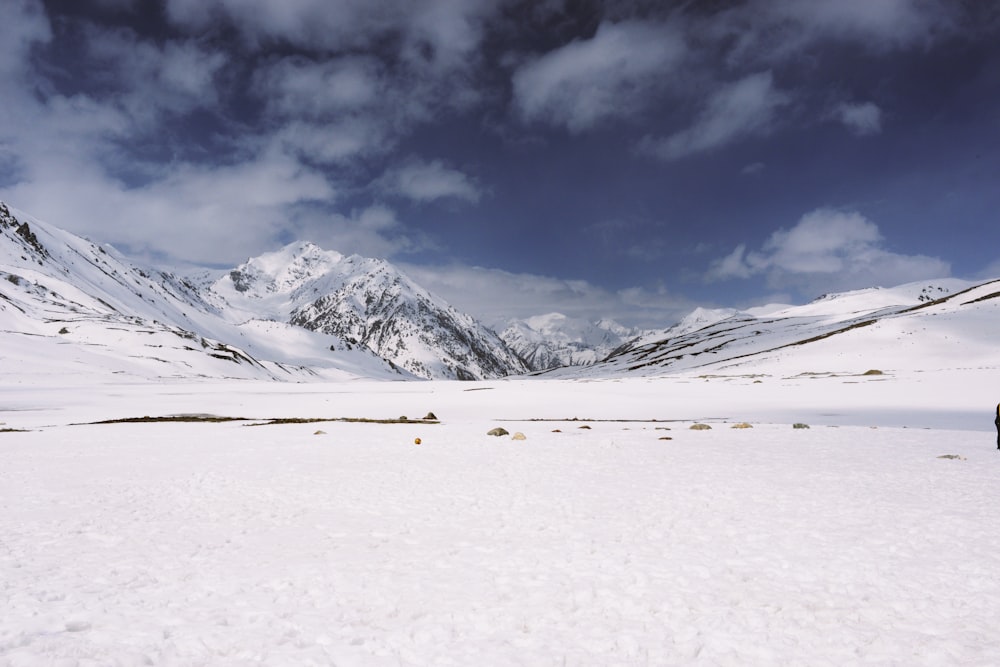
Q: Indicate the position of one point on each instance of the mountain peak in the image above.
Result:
(553, 340)
(282, 271)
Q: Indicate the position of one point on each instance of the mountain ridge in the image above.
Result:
(302, 313)
(859, 330)
(367, 302)
(555, 340)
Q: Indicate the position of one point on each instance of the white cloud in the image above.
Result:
(372, 231)
(828, 249)
(333, 142)
(880, 25)
(765, 31)
(496, 296)
(611, 75)
(24, 24)
(198, 213)
(435, 34)
(146, 79)
(740, 109)
(733, 265)
(428, 181)
(862, 119)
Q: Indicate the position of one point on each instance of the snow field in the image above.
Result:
(226, 544)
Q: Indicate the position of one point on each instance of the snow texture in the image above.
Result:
(852, 542)
(614, 534)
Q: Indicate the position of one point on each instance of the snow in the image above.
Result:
(553, 340)
(850, 542)
(868, 538)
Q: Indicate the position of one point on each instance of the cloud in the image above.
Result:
(371, 231)
(24, 25)
(203, 214)
(429, 181)
(611, 75)
(437, 35)
(297, 86)
(495, 296)
(145, 79)
(990, 272)
(130, 156)
(881, 25)
(862, 119)
(334, 142)
(740, 109)
(828, 249)
(764, 31)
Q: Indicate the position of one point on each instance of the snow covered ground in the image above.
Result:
(851, 542)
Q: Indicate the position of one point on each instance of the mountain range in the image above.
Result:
(555, 340)
(71, 308)
(365, 303)
(920, 326)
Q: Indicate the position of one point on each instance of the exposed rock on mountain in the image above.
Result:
(555, 340)
(366, 302)
(71, 308)
(859, 330)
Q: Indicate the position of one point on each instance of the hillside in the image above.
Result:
(70, 308)
(919, 326)
(555, 340)
(366, 303)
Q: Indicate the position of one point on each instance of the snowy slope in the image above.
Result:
(68, 306)
(367, 303)
(71, 308)
(698, 318)
(554, 340)
(947, 323)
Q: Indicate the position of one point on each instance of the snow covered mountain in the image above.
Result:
(918, 326)
(70, 308)
(366, 303)
(298, 313)
(555, 340)
(698, 318)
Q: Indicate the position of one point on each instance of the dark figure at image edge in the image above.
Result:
(997, 422)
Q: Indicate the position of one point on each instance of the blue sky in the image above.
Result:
(623, 159)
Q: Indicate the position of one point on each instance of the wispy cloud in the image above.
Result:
(614, 74)
(766, 32)
(216, 214)
(429, 181)
(496, 295)
(862, 119)
(24, 25)
(743, 108)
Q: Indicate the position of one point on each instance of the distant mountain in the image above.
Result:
(367, 303)
(70, 308)
(698, 318)
(918, 326)
(555, 340)
(75, 311)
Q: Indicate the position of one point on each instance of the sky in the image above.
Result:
(627, 159)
